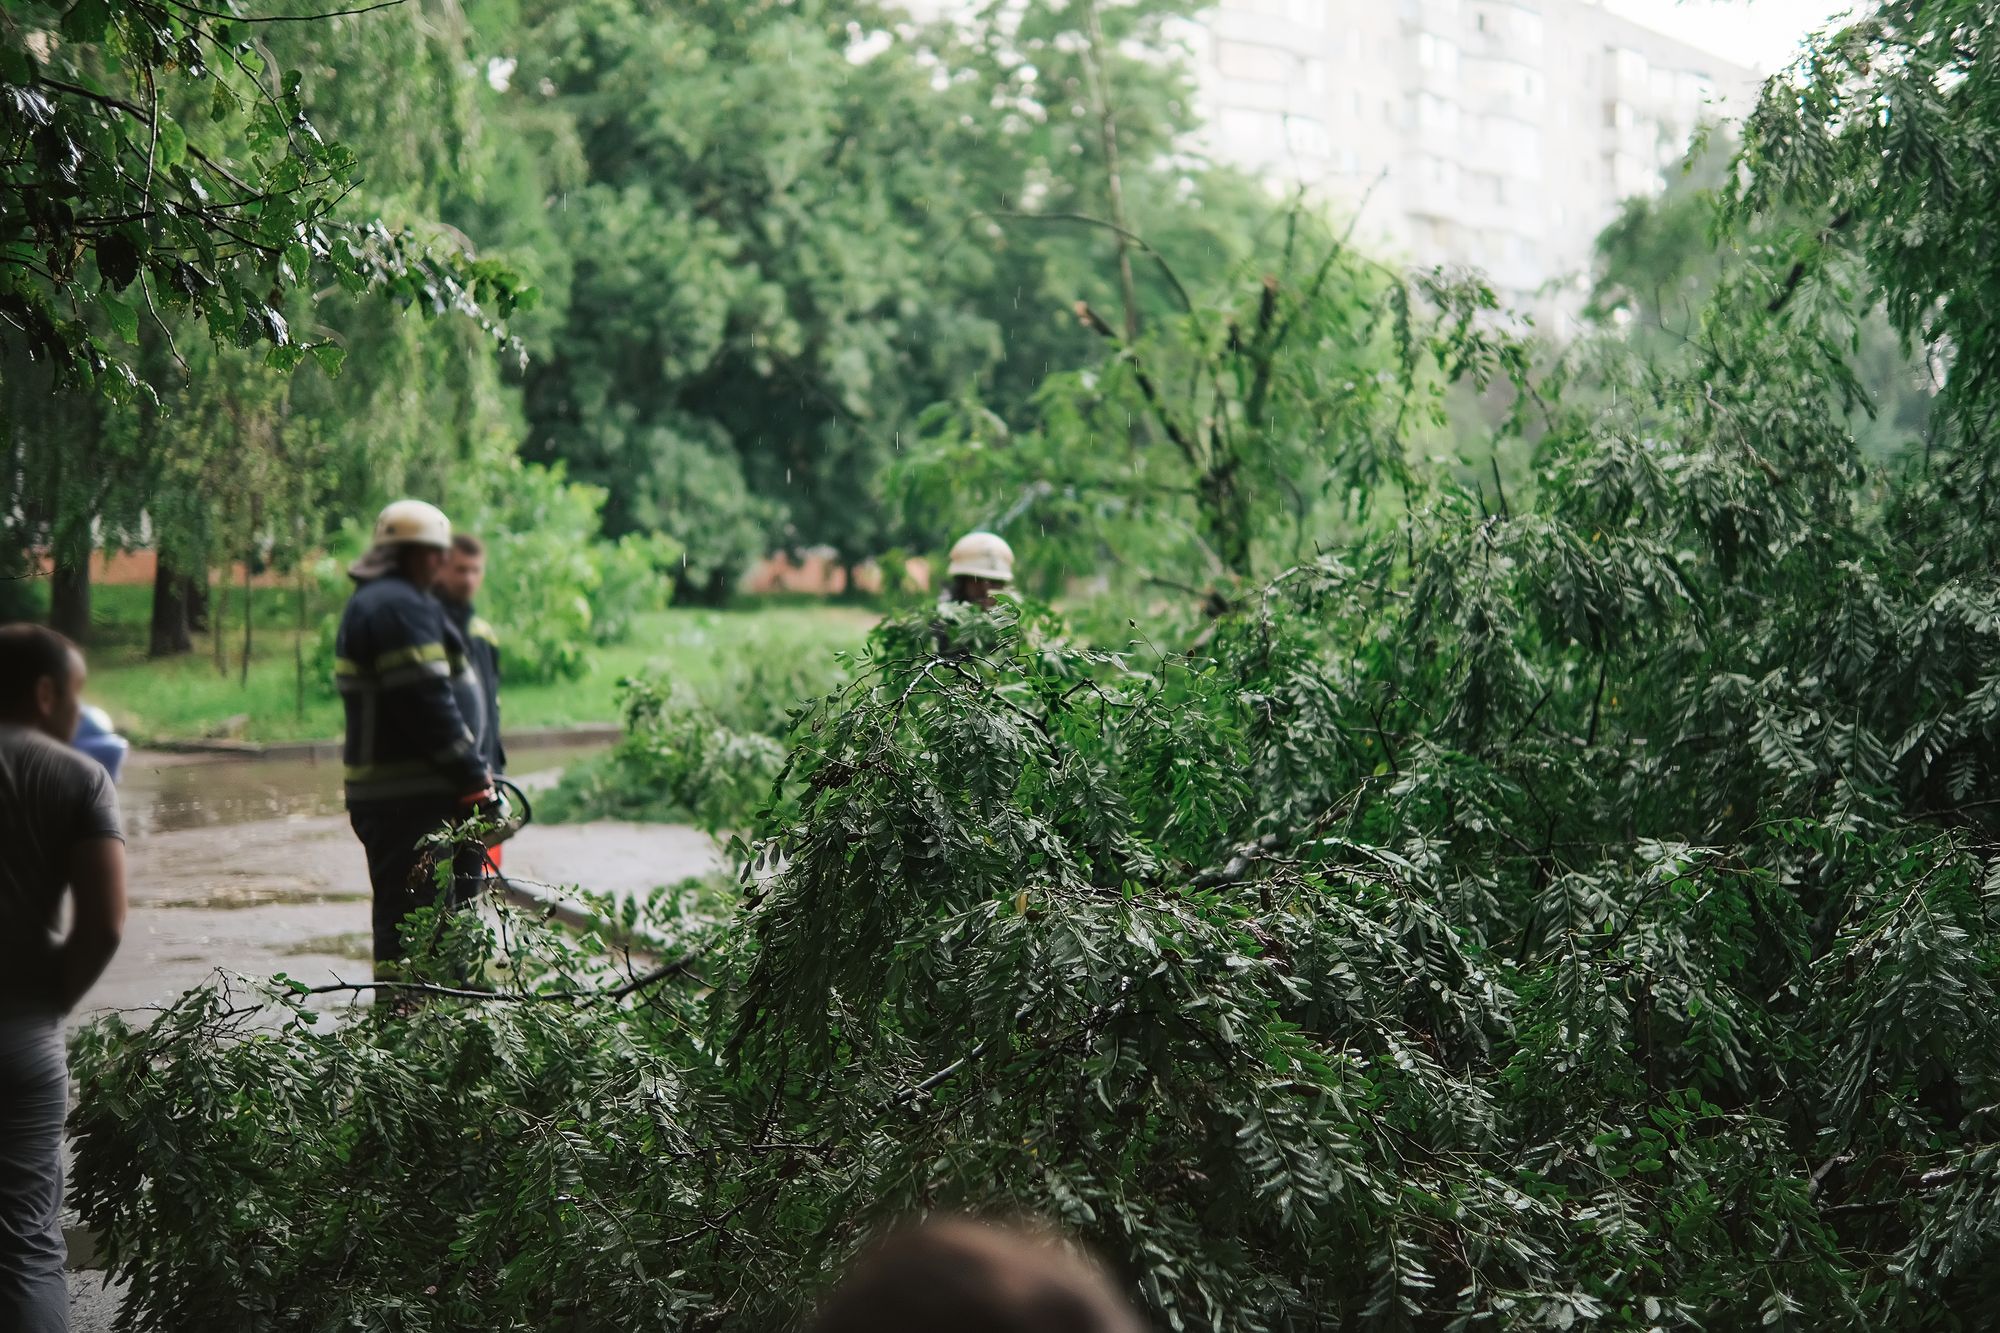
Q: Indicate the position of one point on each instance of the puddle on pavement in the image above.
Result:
(241, 897)
(168, 794)
(248, 866)
(357, 947)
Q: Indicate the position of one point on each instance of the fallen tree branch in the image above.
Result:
(679, 966)
(910, 1094)
(1790, 285)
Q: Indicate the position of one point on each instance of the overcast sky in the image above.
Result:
(1761, 33)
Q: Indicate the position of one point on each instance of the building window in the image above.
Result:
(1307, 138)
(1256, 135)
(1434, 53)
(1257, 64)
(1435, 113)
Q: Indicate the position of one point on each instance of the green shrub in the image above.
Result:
(709, 759)
(554, 587)
(634, 575)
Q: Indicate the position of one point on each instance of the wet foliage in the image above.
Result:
(1572, 902)
(159, 160)
(1380, 966)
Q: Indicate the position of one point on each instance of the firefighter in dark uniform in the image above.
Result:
(455, 590)
(413, 761)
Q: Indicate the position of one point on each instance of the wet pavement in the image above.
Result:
(249, 865)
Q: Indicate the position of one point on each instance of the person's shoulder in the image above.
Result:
(55, 763)
(370, 595)
(479, 627)
(397, 599)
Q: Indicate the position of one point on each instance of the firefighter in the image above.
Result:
(981, 564)
(412, 759)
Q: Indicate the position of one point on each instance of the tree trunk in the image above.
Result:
(1114, 180)
(216, 622)
(69, 599)
(244, 678)
(169, 636)
(197, 602)
(299, 645)
(249, 603)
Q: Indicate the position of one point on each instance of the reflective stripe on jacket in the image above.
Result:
(396, 659)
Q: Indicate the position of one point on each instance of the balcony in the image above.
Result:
(1429, 198)
(1270, 30)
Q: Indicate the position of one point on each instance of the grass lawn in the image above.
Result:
(182, 698)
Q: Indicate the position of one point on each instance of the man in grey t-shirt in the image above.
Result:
(60, 838)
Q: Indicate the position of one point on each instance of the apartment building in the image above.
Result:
(1496, 133)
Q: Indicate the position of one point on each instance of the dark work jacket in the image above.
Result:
(482, 648)
(397, 660)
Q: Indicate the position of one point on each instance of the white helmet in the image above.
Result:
(982, 555)
(414, 523)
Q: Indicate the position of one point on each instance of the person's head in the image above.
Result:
(981, 564)
(41, 679)
(412, 539)
(970, 1277)
(465, 570)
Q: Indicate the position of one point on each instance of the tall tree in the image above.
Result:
(164, 182)
(784, 231)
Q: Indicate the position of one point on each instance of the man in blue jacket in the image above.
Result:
(413, 762)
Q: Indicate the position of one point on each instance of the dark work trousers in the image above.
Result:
(401, 872)
(34, 1094)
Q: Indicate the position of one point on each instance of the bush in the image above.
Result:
(635, 575)
(554, 587)
(710, 759)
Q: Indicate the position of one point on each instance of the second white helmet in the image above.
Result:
(982, 555)
(414, 523)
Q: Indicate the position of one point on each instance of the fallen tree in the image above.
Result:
(1569, 902)
(1522, 922)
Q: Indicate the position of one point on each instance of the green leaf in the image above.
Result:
(87, 21)
(117, 261)
(15, 66)
(331, 356)
(172, 148)
(124, 319)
